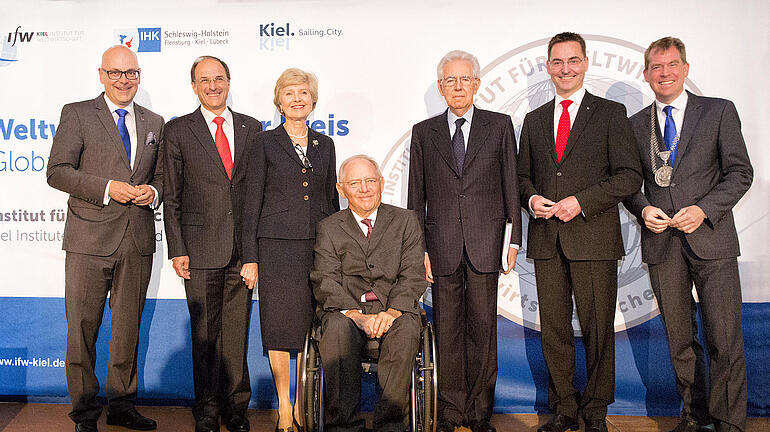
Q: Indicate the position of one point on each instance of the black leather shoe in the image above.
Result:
(444, 426)
(686, 425)
(482, 426)
(596, 425)
(207, 424)
(237, 423)
(559, 423)
(131, 419)
(86, 426)
(706, 428)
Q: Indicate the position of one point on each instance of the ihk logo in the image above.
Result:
(19, 36)
(146, 39)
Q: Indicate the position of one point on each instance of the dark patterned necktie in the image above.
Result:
(458, 143)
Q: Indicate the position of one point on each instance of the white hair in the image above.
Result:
(458, 55)
(347, 161)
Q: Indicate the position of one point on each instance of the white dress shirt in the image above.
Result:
(227, 126)
(574, 107)
(466, 127)
(679, 104)
(131, 127)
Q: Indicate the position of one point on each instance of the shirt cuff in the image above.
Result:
(529, 204)
(154, 204)
(106, 199)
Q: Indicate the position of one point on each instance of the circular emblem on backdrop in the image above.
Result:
(516, 83)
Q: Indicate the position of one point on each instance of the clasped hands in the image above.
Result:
(687, 219)
(374, 325)
(565, 210)
(123, 192)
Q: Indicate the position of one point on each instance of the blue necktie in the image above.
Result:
(458, 143)
(123, 131)
(669, 134)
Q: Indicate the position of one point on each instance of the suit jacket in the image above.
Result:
(202, 209)
(87, 152)
(285, 200)
(390, 263)
(600, 167)
(465, 206)
(712, 170)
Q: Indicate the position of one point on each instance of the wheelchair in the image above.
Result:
(423, 390)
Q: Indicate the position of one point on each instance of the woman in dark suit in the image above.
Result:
(292, 188)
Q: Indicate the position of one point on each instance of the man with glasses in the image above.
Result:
(104, 155)
(577, 161)
(463, 185)
(205, 153)
(696, 168)
(367, 278)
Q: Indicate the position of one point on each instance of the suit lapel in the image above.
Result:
(284, 141)
(105, 117)
(201, 131)
(141, 134)
(585, 112)
(692, 114)
(546, 122)
(313, 152)
(350, 226)
(240, 133)
(384, 217)
(478, 135)
(442, 141)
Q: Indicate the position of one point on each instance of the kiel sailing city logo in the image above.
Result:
(518, 82)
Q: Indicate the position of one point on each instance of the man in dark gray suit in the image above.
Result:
(205, 154)
(104, 155)
(696, 168)
(463, 185)
(367, 277)
(577, 161)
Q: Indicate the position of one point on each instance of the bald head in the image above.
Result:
(123, 64)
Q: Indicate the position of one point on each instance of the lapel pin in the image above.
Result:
(243, 125)
(315, 143)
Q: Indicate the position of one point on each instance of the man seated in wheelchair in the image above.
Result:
(367, 278)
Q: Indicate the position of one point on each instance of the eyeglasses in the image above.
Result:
(371, 181)
(558, 63)
(450, 81)
(115, 75)
(217, 80)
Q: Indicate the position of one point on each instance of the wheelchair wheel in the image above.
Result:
(424, 384)
(312, 386)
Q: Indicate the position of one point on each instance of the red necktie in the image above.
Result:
(223, 146)
(368, 223)
(369, 295)
(562, 132)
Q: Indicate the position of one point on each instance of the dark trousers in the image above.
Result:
(219, 304)
(125, 275)
(465, 316)
(719, 291)
(594, 285)
(341, 347)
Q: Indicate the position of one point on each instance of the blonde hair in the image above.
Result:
(294, 76)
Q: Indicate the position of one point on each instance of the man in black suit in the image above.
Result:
(367, 277)
(577, 161)
(105, 156)
(696, 168)
(205, 153)
(463, 185)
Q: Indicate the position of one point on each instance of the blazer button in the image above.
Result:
(229, 212)
(304, 184)
(371, 266)
(558, 174)
(306, 197)
(304, 170)
(462, 196)
(371, 284)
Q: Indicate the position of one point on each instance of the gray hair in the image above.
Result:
(458, 55)
(347, 162)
